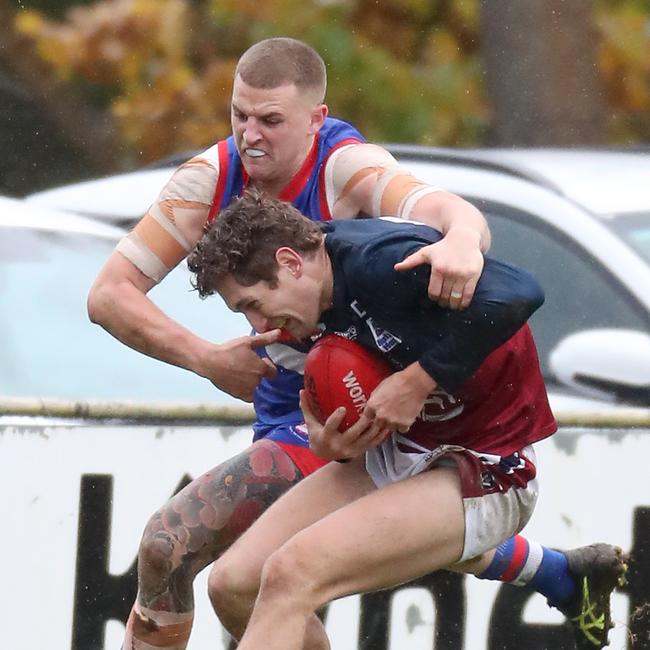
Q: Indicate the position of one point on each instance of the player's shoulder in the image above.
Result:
(195, 179)
(350, 175)
(367, 243)
(205, 162)
(386, 228)
(355, 156)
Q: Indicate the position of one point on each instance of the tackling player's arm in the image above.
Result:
(118, 299)
(505, 298)
(365, 179)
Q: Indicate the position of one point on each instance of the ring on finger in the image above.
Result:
(456, 295)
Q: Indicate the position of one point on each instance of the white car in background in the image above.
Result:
(48, 260)
(579, 220)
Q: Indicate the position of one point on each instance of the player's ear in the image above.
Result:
(318, 115)
(290, 260)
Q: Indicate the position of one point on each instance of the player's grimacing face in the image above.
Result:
(293, 305)
(273, 130)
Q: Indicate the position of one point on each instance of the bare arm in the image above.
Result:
(457, 260)
(398, 400)
(366, 179)
(118, 302)
(118, 299)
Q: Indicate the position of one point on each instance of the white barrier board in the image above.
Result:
(594, 485)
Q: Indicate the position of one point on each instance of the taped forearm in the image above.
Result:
(175, 221)
(366, 179)
(459, 214)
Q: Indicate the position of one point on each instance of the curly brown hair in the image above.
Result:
(243, 239)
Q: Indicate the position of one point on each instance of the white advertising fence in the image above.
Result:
(80, 481)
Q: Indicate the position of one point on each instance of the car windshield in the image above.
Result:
(50, 348)
(634, 228)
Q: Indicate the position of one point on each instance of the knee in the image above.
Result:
(231, 579)
(159, 552)
(235, 580)
(286, 575)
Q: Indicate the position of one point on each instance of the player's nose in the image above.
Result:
(251, 134)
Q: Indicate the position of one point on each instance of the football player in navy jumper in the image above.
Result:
(440, 469)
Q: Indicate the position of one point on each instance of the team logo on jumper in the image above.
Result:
(384, 340)
(440, 406)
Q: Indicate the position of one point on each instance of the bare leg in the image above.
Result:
(353, 539)
(193, 529)
(235, 578)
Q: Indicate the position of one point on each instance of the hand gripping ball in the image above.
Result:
(340, 372)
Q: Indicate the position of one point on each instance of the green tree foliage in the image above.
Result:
(625, 67)
(402, 70)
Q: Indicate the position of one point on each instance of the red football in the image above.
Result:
(340, 372)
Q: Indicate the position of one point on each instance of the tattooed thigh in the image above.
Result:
(205, 518)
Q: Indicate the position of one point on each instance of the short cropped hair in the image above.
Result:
(243, 240)
(278, 61)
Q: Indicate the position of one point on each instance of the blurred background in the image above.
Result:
(524, 96)
(89, 88)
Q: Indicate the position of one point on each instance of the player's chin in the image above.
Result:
(255, 168)
(255, 173)
(302, 331)
(298, 332)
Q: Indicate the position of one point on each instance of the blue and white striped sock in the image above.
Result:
(521, 562)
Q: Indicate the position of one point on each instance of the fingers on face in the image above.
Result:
(265, 338)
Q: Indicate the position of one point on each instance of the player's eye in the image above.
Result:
(253, 305)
